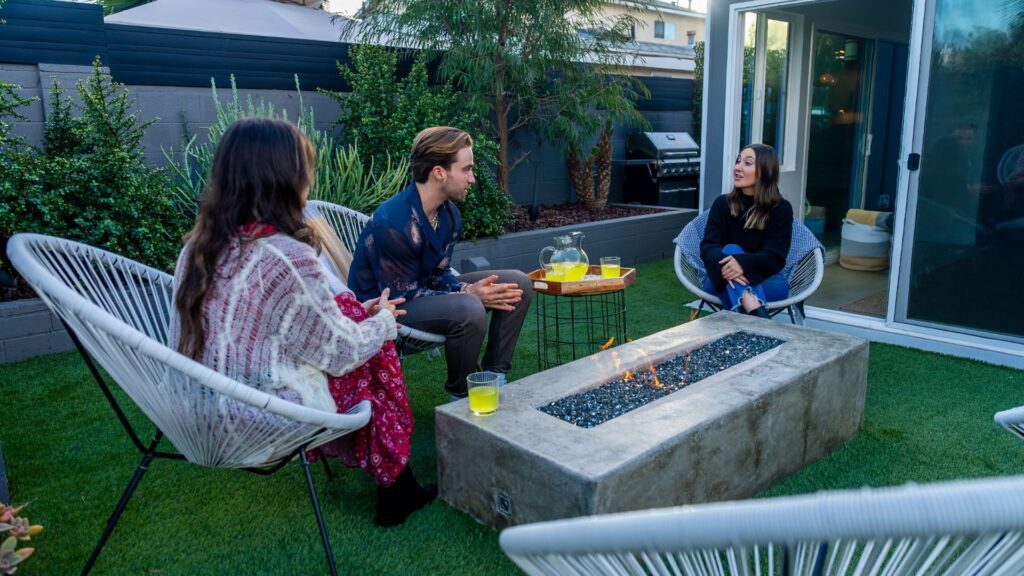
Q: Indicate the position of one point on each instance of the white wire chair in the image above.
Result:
(804, 278)
(348, 223)
(1012, 420)
(118, 312)
(965, 527)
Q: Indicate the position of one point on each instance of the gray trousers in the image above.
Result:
(462, 319)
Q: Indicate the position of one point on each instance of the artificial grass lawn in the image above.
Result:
(929, 417)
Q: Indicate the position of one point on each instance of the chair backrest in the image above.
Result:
(1011, 164)
(964, 527)
(347, 223)
(120, 312)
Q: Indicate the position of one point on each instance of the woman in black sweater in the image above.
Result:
(748, 235)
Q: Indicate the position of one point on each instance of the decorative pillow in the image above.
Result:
(802, 244)
(689, 241)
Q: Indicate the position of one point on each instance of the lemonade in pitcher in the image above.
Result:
(567, 272)
(565, 261)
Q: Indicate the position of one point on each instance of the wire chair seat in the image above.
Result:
(952, 528)
(804, 269)
(348, 224)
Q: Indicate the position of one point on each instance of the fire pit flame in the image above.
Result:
(655, 383)
(608, 344)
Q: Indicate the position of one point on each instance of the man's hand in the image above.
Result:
(374, 305)
(496, 296)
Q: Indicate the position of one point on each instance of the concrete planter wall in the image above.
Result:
(635, 239)
(28, 329)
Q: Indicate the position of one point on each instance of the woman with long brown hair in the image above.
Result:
(748, 235)
(252, 301)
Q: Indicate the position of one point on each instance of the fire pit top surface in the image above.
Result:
(636, 389)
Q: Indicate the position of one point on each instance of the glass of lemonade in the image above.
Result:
(483, 392)
(611, 267)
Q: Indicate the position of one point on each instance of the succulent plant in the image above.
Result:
(18, 529)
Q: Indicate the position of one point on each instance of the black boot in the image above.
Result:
(396, 502)
(760, 312)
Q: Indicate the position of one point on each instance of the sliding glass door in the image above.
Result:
(963, 254)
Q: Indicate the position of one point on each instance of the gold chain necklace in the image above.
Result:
(434, 220)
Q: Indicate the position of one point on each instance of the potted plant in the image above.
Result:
(17, 530)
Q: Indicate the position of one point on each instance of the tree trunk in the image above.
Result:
(604, 169)
(581, 176)
(501, 127)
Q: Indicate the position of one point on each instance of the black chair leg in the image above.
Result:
(132, 485)
(327, 467)
(319, 516)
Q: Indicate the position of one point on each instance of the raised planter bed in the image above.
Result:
(28, 329)
(635, 239)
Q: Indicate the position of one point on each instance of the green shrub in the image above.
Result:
(97, 187)
(90, 183)
(340, 176)
(382, 114)
(487, 210)
(384, 127)
(19, 171)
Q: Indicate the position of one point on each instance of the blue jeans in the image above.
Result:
(773, 288)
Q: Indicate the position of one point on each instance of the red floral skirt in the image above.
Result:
(382, 446)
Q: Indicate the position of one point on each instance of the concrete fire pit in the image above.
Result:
(727, 436)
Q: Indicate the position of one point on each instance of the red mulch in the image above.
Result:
(569, 214)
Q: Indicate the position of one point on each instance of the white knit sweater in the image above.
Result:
(270, 321)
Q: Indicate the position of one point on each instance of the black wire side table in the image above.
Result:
(571, 326)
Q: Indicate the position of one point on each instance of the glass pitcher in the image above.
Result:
(565, 261)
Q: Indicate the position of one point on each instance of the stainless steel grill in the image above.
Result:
(662, 168)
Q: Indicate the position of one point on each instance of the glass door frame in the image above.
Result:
(907, 190)
(892, 326)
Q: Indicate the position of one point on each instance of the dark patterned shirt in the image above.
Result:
(400, 250)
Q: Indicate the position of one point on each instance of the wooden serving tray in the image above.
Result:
(594, 286)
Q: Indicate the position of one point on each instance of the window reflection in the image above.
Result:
(967, 264)
(764, 89)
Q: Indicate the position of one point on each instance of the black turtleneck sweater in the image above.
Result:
(766, 249)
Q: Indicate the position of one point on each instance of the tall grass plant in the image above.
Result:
(341, 176)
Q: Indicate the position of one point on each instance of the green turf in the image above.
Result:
(929, 417)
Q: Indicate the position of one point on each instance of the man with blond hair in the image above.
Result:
(407, 248)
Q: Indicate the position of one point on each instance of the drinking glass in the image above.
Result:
(483, 392)
(611, 267)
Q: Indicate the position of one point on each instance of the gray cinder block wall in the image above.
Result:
(170, 106)
(28, 329)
